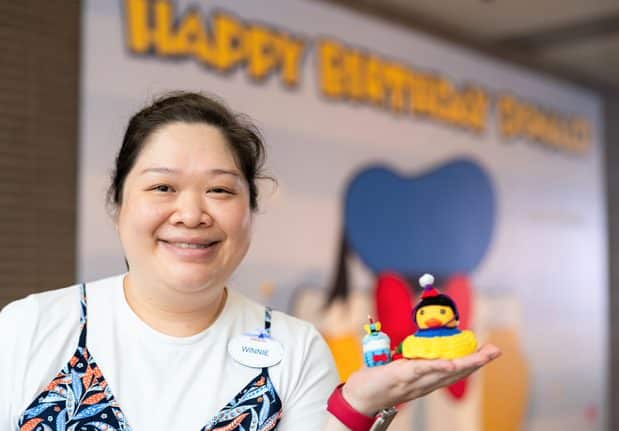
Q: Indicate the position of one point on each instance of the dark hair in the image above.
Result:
(242, 136)
(440, 299)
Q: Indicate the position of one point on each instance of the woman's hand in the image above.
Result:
(372, 389)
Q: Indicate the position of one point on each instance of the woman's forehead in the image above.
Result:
(187, 147)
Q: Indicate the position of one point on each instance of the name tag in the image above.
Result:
(256, 351)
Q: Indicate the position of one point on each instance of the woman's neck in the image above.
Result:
(171, 312)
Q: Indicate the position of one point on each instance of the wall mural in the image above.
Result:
(396, 154)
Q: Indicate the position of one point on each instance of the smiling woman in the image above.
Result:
(173, 345)
(184, 221)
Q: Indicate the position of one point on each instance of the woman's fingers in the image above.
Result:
(484, 355)
(432, 375)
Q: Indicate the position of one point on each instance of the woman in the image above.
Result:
(162, 347)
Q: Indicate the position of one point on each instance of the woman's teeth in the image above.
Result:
(188, 245)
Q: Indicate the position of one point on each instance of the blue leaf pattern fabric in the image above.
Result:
(61, 421)
(256, 408)
(79, 399)
(76, 397)
(265, 409)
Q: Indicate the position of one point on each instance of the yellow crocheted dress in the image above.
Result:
(446, 344)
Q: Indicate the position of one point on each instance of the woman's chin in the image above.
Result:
(190, 281)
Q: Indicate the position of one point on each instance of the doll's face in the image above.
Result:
(435, 316)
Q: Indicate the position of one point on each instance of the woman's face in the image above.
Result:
(185, 219)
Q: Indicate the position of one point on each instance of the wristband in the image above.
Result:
(345, 413)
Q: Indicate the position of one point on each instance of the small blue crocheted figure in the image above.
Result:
(376, 345)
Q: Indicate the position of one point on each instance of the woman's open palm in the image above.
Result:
(371, 389)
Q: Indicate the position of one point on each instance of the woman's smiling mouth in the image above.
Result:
(191, 250)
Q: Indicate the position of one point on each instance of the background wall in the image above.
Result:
(535, 282)
(38, 140)
(39, 68)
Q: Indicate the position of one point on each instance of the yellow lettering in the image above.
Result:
(395, 82)
(344, 73)
(139, 35)
(163, 34)
(192, 38)
(476, 112)
(292, 54)
(520, 119)
(375, 89)
(331, 71)
(229, 40)
(420, 94)
(354, 84)
(444, 98)
(262, 52)
(507, 116)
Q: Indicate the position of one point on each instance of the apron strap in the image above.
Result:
(83, 316)
(267, 330)
(267, 320)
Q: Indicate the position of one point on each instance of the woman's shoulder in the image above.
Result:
(37, 334)
(31, 306)
(41, 321)
(48, 311)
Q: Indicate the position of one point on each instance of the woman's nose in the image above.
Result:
(191, 211)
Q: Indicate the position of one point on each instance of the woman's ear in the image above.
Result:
(113, 211)
(115, 223)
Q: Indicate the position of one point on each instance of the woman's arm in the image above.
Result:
(372, 389)
(332, 424)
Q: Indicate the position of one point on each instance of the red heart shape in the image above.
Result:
(394, 299)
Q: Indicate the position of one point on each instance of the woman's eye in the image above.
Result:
(220, 190)
(162, 188)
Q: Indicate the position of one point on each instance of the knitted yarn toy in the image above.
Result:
(438, 336)
(376, 345)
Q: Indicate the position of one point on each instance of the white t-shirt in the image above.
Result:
(161, 382)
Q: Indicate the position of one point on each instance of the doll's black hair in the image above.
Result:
(440, 299)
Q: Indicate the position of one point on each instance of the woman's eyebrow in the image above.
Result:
(160, 170)
(163, 170)
(223, 172)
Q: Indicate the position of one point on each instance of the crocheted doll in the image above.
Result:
(376, 350)
(437, 336)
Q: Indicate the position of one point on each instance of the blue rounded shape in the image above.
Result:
(439, 222)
